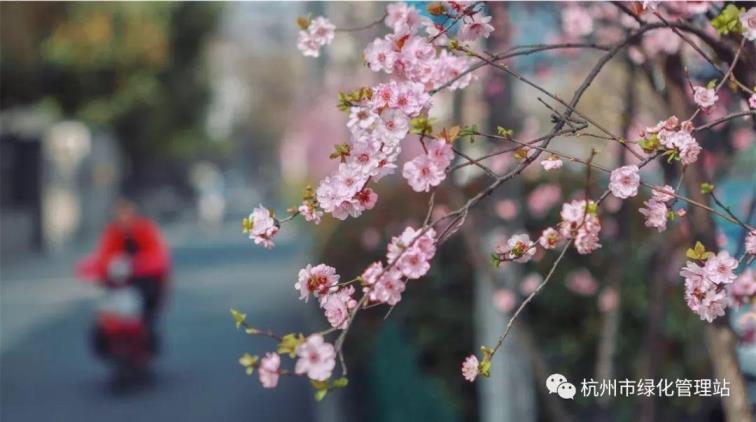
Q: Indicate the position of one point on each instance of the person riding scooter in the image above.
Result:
(131, 253)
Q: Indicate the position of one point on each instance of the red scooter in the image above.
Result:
(120, 335)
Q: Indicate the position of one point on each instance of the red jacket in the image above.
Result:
(152, 257)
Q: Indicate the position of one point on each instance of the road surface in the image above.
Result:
(47, 372)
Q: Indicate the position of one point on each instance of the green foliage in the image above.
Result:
(421, 126)
(132, 68)
(248, 362)
(706, 188)
(323, 387)
(239, 318)
(504, 132)
(698, 252)
(469, 132)
(289, 343)
(728, 20)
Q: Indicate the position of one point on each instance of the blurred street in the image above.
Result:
(49, 372)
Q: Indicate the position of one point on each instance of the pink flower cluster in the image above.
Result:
(337, 307)
(380, 120)
(655, 209)
(552, 162)
(580, 222)
(748, 22)
(319, 280)
(706, 291)
(317, 358)
(319, 33)
(704, 97)
(470, 368)
(518, 248)
(677, 137)
(411, 56)
(429, 169)
(269, 370)
(262, 227)
(576, 21)
(750, 243)
(624, 182)
(408, 256)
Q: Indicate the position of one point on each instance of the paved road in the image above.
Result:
(48, 374)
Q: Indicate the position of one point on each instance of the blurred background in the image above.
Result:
(202, 111)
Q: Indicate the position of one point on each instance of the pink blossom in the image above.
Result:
(581, 282)
(269, 370)
(402, 18)
(752, 99)
(518, 248)
(704, 97)
(742, 290)
(316, 358)
(580, 225)
(441, 152)
(549, 238)
(470, 368)
(308, 45)
(750, 243)
(748, 22)
(380, 55)
(412, 252)
(576, 21)
(684, 143)
(543, 197)
(709, 304)
(413, 264)
(320, 32)
(506, 209)
(624, 181)
(504, 300)
(530, 283)
(318, 280)
(664, 193)
(475, 27)
(361, 117)
(383, 286)
(656, 214)
(661, 41)
(262, 227)
(608, 299)
(552, 163)
(422, 173)
(310, 213)
(719, 268)
(337, 306)
(393, 124)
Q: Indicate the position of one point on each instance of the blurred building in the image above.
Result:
(49, 170)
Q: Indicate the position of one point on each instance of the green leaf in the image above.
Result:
(248, 361)
(319, 385)
(698, 252)
(485, 368)
(239, 317)
(320, 394)
(504, 131)
(711, 84)
(251, 331)
(728, 20)
(289, 343)
(706, 188)
(340, 382)
(421, 126)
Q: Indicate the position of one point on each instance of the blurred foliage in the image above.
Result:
(130, 67)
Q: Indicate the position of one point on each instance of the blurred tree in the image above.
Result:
(133, 68)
